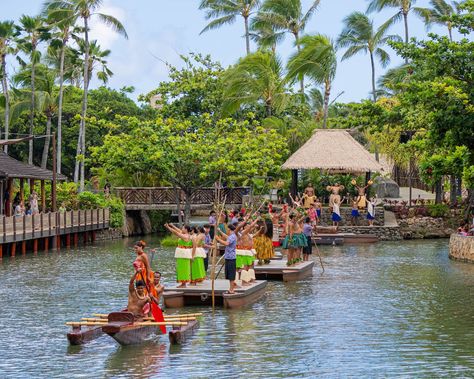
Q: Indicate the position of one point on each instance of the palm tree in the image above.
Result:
(35, 31)
(63, 26)
(404, 7)
(266, 36)
(45, 98)
(258, 77)
(83, 9)
(7, 37)
(285, 16)
(317, 60)
(388, 83)
(97, 62)
(359, 35)
(226, 12)
(440, 13)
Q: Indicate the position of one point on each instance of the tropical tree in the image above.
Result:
(404, 7)
(440, 13)
(359, 35)
(316, 60)
(45, 98)
(226, 12)
(285, 16)
(34, 31)
(266, 36)
(62, 26)
(7, 37)
(83, 9)
(258, 77)
(97, 61)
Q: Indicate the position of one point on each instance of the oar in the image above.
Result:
(319, 256)
(155, 309)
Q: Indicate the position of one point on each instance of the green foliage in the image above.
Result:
(169, 241)
(158, 220)
(438, 210)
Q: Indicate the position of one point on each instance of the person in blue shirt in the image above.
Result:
(230, 243)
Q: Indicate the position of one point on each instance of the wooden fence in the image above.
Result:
(23, 228)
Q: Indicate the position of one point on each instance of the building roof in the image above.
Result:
(11, 168)
(333, 151)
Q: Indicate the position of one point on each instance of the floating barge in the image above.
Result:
(278, 270)
(201, 294)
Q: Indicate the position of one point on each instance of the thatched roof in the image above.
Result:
(333, 151)
(11, 168)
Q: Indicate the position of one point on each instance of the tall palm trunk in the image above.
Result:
(405, 21)
(450, 32)
(82, 128)
(327, 94)
(60, 105)
(372, 63)
(32, 108)
(298, 47)
(44, 158)
(247, 34)
(7, 100)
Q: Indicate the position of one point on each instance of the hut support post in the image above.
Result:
(43, 197)
(22, 189)
(9, 211)
(294, 183)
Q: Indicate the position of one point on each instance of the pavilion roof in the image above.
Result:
(12, 168)
(333, 151)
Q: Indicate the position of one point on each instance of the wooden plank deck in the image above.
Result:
(278, 270)
(201, 294)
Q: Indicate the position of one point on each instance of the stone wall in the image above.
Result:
(425, 227)
(461, 248)
(346, 217)
(385, 233)
(108, 234)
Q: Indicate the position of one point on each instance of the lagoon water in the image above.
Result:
(382, 310)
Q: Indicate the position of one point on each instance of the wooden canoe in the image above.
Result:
(81, 335)
(122, 328)
(179, 334)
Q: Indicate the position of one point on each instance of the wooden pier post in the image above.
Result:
(76, 238)
(93, 236)
(68, 240)
(35, 245)
(46, 244)
(58, 241)
(1, 251)
(13, 249)
(23, 247)
(85, 237)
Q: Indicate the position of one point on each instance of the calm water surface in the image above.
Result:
(383, 310)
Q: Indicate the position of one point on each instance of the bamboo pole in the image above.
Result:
(220, 208)
(105, 315)
(104, 320)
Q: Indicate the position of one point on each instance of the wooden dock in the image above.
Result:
(201, 295)
(343, 238)
(278, 270)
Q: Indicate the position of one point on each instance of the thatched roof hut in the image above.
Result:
(333, 151)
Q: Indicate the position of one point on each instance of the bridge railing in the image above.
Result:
(168, 195)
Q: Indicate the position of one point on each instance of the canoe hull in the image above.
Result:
(181, 334)
(79, 336)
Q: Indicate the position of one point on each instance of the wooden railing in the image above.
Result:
(21, 228)
(170, 195)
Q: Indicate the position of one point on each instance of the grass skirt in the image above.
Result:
(183, 270)
(298, 240)
(264, 247)
(198, 273)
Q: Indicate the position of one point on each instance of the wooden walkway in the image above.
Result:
(167, 198)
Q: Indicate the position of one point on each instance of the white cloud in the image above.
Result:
(103, 33)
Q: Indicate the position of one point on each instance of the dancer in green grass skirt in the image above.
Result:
(245, 252)
(198, 272)
(183, 253)
(295, 239)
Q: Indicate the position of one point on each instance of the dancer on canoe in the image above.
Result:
(183, 253)
(138, 300)
(143, 263)
(295, 240)
(198, 272)
(263, 242)
(230, 243)
(245, 253)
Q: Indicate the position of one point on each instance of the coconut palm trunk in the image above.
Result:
(82, 129)
(60, 105)
(372, 64)
(327, 94)
(298, 48)
(32, 109)
(247, 34)
(407, 37)
(44, 158)
(7, 100)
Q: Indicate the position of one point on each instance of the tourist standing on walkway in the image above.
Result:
(34, 203)
(183, 253)
(230, 243)
(207, 244)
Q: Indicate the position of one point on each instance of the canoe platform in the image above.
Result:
(201, 295)
(278, 270)
(343, 238)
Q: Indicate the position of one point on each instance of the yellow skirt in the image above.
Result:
(263, 246)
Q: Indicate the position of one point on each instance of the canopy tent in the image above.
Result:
(333, 151)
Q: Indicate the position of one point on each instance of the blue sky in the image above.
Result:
(161, 30)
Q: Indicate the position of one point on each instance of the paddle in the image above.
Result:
(156, 311)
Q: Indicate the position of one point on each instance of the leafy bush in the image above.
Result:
(117, 210)
(169, 241)
(89, 200)
(438, 210)
(158, 220)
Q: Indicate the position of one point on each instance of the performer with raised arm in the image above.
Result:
(361, 198)
(335, 194)
(183, 253)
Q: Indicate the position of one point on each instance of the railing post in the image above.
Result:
(24, 227)
(98, 218)
(41, 223)
(33, 225)
(4, 228)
